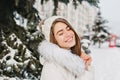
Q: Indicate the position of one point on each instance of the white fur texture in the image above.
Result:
(65, 58)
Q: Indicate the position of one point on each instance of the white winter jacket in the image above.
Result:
(60, 64)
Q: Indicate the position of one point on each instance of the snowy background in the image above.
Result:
(110, 11)
(106, 62)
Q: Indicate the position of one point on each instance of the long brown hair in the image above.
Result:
(77, 48)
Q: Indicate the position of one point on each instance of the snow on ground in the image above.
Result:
(106, 62)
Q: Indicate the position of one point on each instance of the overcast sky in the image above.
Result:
(110, 11)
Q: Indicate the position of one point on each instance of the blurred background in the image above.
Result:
(95, 21)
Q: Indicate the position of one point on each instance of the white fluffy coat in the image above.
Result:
(59, 63)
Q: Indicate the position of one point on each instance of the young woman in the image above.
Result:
(60, 53)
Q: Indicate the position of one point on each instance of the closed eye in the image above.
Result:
(60, 32)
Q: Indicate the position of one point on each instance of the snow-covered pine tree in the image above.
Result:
(18, 45)
(100, 30)
(85, 43)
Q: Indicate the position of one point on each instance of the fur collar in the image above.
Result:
(61, 56)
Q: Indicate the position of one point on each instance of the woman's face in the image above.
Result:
(64, 36)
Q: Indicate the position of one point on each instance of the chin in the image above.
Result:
(71, 45)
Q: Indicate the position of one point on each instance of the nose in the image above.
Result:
(67, 33)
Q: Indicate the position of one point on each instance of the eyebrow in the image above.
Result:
(67, 26)
(62, 29)
(59, 31)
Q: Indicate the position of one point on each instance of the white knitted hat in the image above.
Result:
(47, 26)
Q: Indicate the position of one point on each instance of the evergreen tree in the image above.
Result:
(100, 30)
(19, 58)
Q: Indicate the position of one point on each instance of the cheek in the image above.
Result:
(60, 40)
(72, 33)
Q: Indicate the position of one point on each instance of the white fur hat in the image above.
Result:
(47, 26)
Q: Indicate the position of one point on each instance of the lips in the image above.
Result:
(69, 39)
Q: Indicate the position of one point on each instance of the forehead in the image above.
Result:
(59, 25)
